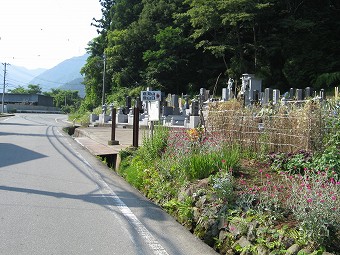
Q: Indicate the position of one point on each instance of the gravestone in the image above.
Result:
(128, 102)
(175, 104)
(168, 100)
(230, 89)
(308, 92)
(322, 94)
(186, 104)
(255, 96)
(204, 94)
(121, 117)
(139, 104)
(291, 93)
(268, 96)
(104, 108)
(225, 94)
(249, 84)
(194, 108)
(276, 96)
(167, 110)
(299, 94)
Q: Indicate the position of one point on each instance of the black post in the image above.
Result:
(113, 128)
(135, 126)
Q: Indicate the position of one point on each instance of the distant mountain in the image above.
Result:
(67, 72)
(75, 85)
(20, 76)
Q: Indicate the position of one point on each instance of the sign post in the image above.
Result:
(154, 104)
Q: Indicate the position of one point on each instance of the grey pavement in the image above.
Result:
(56, 198)
(95, 139)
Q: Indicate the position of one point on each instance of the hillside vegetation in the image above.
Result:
(182, 45)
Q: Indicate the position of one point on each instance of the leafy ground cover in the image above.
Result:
(241, 201)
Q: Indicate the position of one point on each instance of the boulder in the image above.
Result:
(293, 250)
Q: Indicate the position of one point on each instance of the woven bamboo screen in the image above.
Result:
(283, 129)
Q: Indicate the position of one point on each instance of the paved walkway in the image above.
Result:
(96, 139)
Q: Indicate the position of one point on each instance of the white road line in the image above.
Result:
(8, 119)
(151, 241)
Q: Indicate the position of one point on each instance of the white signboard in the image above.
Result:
(150, 96)
(154, 110)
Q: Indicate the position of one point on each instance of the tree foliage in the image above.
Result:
(66, 100)
(31, 89)
(179, 46)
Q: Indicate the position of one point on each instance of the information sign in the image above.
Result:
(151, 96)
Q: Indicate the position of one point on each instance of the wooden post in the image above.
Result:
(135, 126)
(113, 128)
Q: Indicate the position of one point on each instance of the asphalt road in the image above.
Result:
(56, 198)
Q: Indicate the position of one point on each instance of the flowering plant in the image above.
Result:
(314, 202)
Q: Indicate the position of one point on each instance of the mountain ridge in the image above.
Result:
(65, 72)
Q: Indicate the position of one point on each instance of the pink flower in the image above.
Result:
(333, 198)
(223, 161)
(260, 171)
(309, 200)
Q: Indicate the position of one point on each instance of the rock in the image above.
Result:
(243, 242)
(305, 251)
(245, 253)
(222, 235)
(201, 201)
(261, 250)
(238, 226)
(209, 238)
(233, 229)
(251, 235)
(230, 252)
(222, 223)
(196, 213)
(293, 250)
(203, 184)
(214, 229)
(288, 242)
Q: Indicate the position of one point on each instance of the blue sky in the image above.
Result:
(43, 33)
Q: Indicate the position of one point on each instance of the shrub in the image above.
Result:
(329, 158)
(293, 163)
(314, 202)
(154, 146)
(267, 196)
(223, 185)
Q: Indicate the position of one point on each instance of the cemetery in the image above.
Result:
(253, 172)
(248, 162)
(242, 114)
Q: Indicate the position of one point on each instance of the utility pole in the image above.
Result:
(3, 90)
(104, 71)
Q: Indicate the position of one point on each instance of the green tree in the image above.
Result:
(67, 100)
(34, 89)
(31, 89)
(18, 90)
